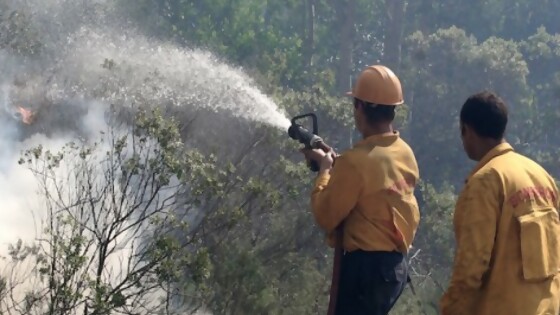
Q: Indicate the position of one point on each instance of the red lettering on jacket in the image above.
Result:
(402, 186)
(530, 193)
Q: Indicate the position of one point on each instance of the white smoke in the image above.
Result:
(25, 213)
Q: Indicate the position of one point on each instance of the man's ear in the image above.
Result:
(465, 130)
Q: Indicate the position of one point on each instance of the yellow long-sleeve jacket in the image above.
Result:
(370, 188)
(506, 229)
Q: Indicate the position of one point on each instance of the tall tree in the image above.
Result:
(394, 27)
(309, 44)
(345, 20)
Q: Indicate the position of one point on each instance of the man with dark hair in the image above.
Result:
(506, 223)
(369, 196)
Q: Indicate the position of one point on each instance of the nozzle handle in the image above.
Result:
(314, 166)
(318, 144)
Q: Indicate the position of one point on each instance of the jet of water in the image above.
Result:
(159, 73)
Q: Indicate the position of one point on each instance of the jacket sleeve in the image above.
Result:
(476, 217)
(335, 195)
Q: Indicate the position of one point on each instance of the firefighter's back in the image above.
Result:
(523, 277)
(386, 215)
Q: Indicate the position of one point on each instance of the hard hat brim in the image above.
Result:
(351, 94)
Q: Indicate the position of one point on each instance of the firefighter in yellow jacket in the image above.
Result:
(506, 224)
(370, 191)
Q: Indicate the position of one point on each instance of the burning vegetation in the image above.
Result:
(24, 115)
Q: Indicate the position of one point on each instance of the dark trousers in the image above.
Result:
(370, 282)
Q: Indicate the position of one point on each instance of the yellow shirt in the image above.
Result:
(506, 229)
(370, 188)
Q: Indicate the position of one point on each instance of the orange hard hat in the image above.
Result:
(378, 85)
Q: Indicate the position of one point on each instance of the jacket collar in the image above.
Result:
(379, 139)
(500, 149)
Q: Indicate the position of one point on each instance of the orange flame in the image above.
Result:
(27, 116)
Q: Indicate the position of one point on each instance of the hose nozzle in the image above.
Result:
(309, 138)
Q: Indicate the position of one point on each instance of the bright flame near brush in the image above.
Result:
(26, 116)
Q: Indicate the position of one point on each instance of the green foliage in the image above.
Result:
(435, 63)
(542, 52)
(226, 226)
(115, 200)
(507, 19)
(17, 34)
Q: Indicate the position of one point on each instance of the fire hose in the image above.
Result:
(311, 140)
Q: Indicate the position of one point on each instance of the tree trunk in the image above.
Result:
(266, 14)
(394, 27)
(345, 20)
(309, 45)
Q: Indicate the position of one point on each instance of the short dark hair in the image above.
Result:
(376, 113)
(486, 113)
